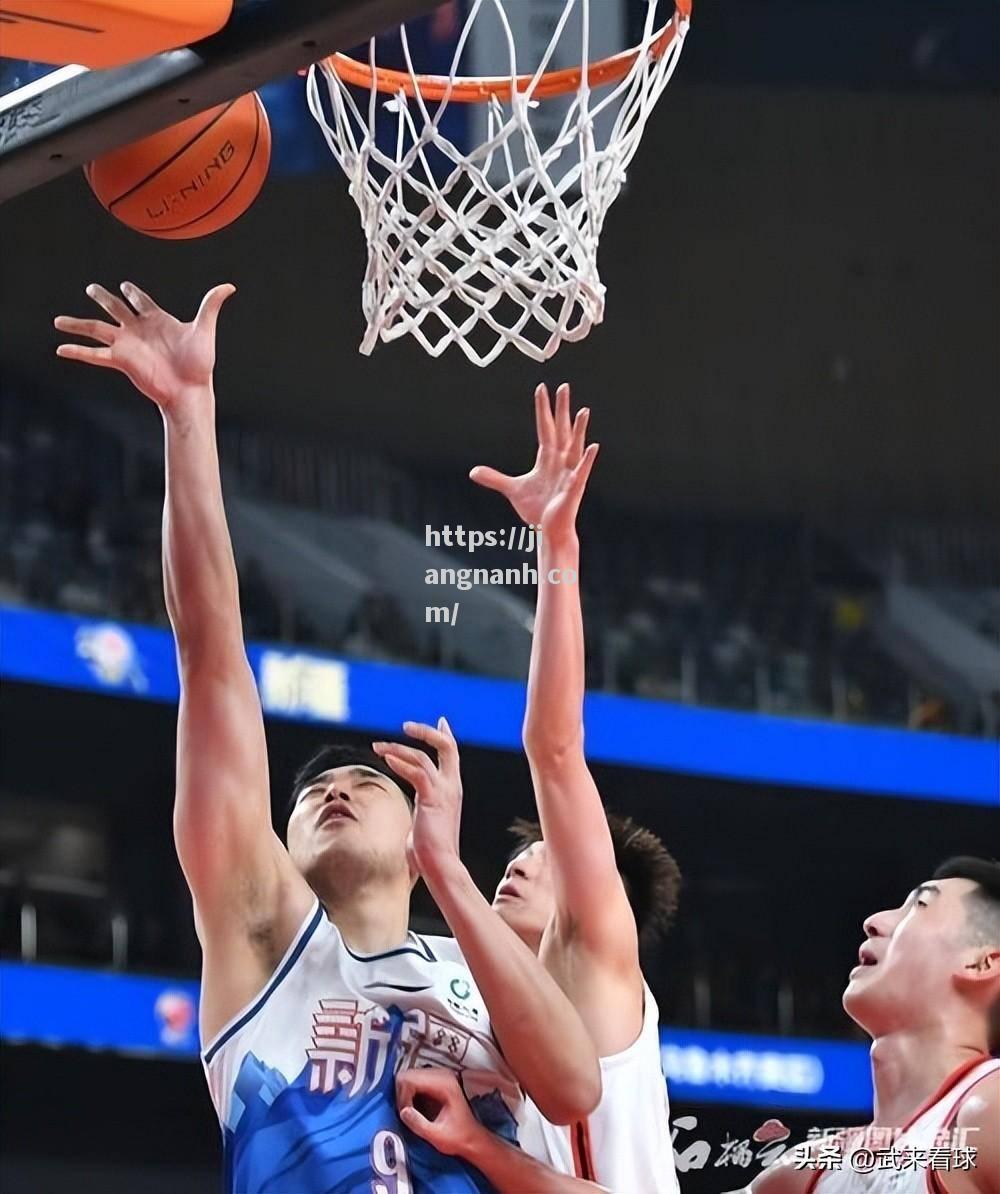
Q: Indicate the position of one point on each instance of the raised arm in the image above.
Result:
(237, 869)
(433, 1105)
(592, 910)
(539, 1031)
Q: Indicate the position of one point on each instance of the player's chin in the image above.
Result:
(513, 913)
(507, 910)
(860, 984)
(340, 844)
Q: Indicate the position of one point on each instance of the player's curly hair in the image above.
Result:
(649, 871)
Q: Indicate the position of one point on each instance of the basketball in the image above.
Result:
(191, 179)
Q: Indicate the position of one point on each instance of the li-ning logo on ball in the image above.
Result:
(170, 203)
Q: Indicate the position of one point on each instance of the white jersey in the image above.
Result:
(931, 1128)
(624, 1144)
(303, 1078)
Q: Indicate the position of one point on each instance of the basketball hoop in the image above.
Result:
(500, 246)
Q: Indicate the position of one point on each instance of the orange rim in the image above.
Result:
(473, 89)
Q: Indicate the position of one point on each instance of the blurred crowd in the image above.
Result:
(77, 533)
(751, 614)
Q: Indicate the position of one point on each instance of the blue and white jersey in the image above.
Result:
(303, 1079)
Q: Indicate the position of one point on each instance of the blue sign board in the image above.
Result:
(128, 1013)
(760, 1071)
(138, 661)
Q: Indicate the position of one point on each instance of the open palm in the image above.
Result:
(549, 495)
(162, 357)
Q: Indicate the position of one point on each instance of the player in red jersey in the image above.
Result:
(927, 991)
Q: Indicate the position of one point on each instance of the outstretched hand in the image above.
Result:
(162, 357)
(549, 495)
(438, 815)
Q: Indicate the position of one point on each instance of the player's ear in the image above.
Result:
(981, 965)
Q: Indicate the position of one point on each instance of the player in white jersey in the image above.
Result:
(314, 995)
(927, 991)
(567, 892)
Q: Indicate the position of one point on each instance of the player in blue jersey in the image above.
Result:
(315, 996)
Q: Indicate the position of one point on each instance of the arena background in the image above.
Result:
(791, 562)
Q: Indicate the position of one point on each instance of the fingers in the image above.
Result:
(89, 356)
(412, 1082)
(418, 1124)
(425, 733)
(544, 423)
(138, 298)
(411, 764)
(579, 437)
(409, 754)
(489, 478)
(433, 1106)
(93, 329)
(428, 1090)
(411, 772)
(441, 1097)
(441, 739)
(110, 303)
(440, 736)
(563, 429)
(211, 305)
(406, 1088)
(581, 474)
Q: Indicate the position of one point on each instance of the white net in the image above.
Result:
(496, 244)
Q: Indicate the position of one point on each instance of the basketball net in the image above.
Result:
(496, 244)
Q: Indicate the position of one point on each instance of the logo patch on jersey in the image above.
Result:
(460, 991)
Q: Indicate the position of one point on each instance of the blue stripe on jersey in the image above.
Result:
(430, 952)
(423, 952)
(272, 986)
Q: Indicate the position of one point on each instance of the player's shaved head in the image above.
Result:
(982, 903)
(982, 913)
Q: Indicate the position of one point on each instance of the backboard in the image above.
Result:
(65, 117)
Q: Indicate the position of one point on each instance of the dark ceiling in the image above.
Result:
(801, 312)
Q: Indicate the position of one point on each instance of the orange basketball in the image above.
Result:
(191, 179)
